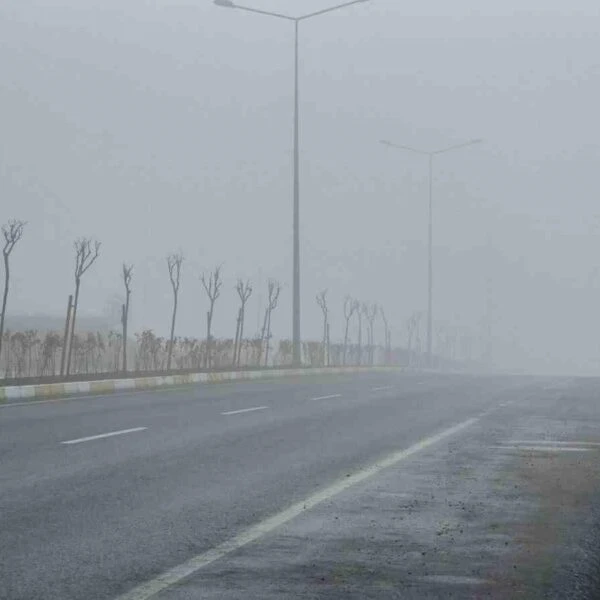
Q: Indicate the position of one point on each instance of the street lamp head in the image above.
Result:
(224, 3)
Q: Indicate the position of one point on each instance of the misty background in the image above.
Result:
(158, 126)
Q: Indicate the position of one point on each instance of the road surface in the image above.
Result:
(356, 486)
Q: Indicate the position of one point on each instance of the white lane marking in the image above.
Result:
(489, 411)
(382, 388)
(176, 574)
(454, 580)
(104, 435)
(544, 448)
(244, 410)
(327, 397)
(552, 442)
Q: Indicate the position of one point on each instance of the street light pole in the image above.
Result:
(430, 270)
(296, 346)
(430, 155)
(296, 336)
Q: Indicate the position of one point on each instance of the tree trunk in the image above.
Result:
(4, 299)
(241, 340)
(237, 338)
(346, 341)
(324, 343)
(359, 340)
(63, 355)
(170, 354)
(73, 317)
(268, 340)
(262, 338)
(125, 323)
(208, 358)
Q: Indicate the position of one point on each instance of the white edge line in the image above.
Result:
(244, 410)
(327, 397)
(543, 448)
(551, 442)
(104, 435)
(176, 574)
(382, 388)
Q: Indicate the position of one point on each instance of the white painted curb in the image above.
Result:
(107, 386)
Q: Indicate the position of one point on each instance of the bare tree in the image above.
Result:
(361, 311)
(322, 302)
(213, 291)
(371, 315)
(273, 290)
(350, 307)
(244, 291)
(127, 276)
(387, 336)
(174, 263)
(86, 253)
(13, 231)
(412, 327)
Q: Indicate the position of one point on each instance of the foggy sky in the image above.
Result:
(158, 126)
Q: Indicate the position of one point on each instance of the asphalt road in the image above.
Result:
(357, 486)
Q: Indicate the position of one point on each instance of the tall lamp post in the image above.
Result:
(430, 155)
(297, 354)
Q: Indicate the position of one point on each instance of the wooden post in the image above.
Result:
(66, 336)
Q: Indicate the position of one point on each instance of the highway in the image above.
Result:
(355, 486)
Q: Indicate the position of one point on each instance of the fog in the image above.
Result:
(167, 125)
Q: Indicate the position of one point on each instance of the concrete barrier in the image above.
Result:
(108, 386)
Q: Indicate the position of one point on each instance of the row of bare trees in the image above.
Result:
(75, 351)
(354, 308)
(212, 283)
(84, 352)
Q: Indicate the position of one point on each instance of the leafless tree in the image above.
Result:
(362, 311)
(322, 302)
(174, 263)
(13, 231)
(350, 307)
(127, 276)
(412, 327)
(387, 335)
(244, 291)
(212, 286)
(86, 253)
(273, 290)
(370, 315)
